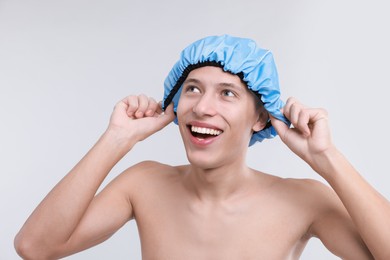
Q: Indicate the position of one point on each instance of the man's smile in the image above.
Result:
(204, 131)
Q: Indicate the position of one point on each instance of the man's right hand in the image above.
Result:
(138, 117)
(72, 217)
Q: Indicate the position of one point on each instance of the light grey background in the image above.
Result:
(64, 64)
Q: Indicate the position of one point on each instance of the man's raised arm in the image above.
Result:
(71, 218)
(369, 211)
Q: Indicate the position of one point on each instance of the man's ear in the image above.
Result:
(261, 121)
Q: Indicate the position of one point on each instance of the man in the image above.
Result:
(225, 97)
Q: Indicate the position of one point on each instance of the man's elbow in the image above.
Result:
(27, 248)
(24, 247)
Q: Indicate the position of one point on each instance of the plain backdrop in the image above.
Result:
(64, 65)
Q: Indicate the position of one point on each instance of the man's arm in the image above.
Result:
(71, 218)
(369, 210)
(310, 139)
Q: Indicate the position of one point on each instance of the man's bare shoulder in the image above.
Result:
(307, 195)
(302, 187)
(149, 174)
(147, 166)
(153, 169)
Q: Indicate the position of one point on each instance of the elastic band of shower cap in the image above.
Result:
(239, 56)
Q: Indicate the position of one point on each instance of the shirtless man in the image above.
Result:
(216, 207)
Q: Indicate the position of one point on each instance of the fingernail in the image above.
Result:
(139, 114)
(149, 112)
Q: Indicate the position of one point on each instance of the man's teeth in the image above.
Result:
(204, 130)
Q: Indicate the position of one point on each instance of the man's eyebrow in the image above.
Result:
(221, 84)
(191, 80)
(229, 85)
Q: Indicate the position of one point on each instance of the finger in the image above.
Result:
(168, 115)
(280, 127)
(162, 120)
(159, 110)
(132, 105)
(302, 122)
(287, 107)
(293, 110)
(298, 114)
(318, 114)
(308, 118)
(143, 102)
(152, 107)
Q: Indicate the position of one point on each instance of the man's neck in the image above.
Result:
(220, 183)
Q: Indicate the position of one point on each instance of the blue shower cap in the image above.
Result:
(239, 56)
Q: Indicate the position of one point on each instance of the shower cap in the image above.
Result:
(239, 56)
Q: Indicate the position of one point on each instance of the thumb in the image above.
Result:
(280, 126)
(168, 115)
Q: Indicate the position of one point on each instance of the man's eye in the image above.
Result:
(193, 89)
(228, 93)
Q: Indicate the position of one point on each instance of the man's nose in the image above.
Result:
(206, 105)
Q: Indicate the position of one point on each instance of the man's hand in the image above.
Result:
(310, 135)
(369, 226)
(72, 217)
(139, 117)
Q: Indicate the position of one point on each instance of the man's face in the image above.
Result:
(217, 116)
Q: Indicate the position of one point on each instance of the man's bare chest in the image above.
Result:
(246, 230)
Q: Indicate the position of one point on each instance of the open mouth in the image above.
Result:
(204, 132)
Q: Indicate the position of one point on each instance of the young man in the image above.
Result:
(225, 98)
